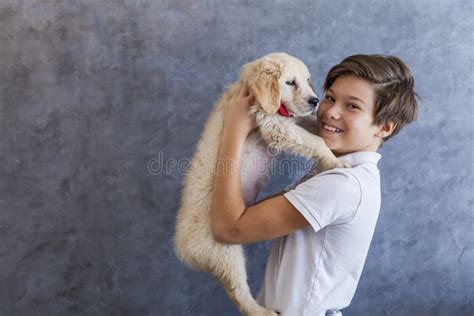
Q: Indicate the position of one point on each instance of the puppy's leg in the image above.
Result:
(318, 149)
(299, 141)
(232, 275)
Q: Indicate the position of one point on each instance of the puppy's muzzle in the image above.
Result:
(313, 101)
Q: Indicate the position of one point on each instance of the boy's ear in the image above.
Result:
(386, 129)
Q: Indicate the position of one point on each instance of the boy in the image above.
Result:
(325, 224)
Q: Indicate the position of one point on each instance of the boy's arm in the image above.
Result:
(272, 218)
(272, 196)
(231, 222)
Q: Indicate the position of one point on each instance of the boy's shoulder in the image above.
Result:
(363, 173)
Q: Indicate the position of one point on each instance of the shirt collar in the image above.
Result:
(359, 157)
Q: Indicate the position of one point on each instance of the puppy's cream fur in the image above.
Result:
(267, 78)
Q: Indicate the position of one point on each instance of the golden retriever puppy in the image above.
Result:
(282, 89)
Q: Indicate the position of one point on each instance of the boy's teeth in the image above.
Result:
(332, 129)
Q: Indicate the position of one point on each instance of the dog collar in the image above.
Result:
(283, 111)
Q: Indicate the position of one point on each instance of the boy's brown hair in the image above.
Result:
(395, 98)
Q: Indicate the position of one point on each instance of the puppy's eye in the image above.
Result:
(291, 83)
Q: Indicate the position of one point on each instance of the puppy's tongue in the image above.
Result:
(283, 111)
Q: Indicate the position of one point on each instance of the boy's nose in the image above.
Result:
(333, 113)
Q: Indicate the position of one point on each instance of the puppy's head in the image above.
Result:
(280, 79)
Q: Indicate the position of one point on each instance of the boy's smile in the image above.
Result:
(346, 116)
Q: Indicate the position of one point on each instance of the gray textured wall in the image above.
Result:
(92, 91)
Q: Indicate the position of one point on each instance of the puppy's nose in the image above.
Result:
(313, 101)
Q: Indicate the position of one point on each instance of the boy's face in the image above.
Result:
(346, 117)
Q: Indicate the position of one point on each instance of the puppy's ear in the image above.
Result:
(262, 78)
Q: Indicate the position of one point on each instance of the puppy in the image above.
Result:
(282, 89)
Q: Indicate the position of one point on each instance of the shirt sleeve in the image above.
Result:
(329, 198)
(293, 185)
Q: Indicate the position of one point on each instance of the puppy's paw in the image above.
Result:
(269, 313)
(327, 164)
(262, 311)
(346, 165)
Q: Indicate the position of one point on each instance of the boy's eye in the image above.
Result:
(352, 106)
(291, 83)
(329, 98)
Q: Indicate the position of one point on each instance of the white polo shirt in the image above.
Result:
(315, 270)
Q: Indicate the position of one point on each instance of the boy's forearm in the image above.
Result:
(271, 196)
(227, 202)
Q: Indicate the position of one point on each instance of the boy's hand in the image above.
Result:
(236, 113)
